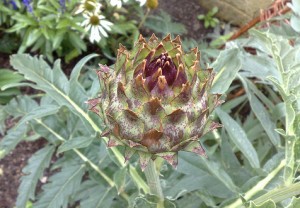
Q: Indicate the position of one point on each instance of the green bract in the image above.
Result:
(156, 100)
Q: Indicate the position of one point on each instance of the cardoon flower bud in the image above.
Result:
(156, 101)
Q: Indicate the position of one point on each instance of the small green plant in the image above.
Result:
(209, 19)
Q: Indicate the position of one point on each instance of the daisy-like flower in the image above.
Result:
(88, 6)
(97, 25)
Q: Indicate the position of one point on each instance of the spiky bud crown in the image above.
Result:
(156, 101)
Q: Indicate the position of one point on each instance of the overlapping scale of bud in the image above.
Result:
(156, 100)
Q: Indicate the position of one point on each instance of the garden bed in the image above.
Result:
(11, 166)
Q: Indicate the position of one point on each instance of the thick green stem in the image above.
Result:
(284, 90)
(152, 177)
(279, 194)
(290, 141)
(289, 169)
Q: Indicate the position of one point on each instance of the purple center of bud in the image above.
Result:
(160, 66)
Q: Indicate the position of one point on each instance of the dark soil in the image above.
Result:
(11, 171)
(4, 60)
(186, 12)
(183, 11)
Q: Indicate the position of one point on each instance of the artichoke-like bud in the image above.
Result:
(156, 100)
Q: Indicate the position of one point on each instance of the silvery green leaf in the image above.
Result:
(227, 66)
(32, 172)
(12, 138)
(261, 113)
(92, 194)
(39, 112)
(239, 138)
(60, 187)
(75, 143)
(267, 204)
(294, 203)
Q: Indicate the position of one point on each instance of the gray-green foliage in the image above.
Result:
(295, 19)
(249, 164)
(63, 125)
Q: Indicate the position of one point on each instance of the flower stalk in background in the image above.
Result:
(12, 3)
(27, 5)
(62, 5)
(156, 101)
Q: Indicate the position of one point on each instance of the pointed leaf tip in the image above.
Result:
(105, 133)
(128, 153)
(167, 38)
(141, 39)
(104, 68)
(112, 143)
(153, 38)
(144, 160)
(93, 103)
(215, 125)
(171, 158)
(197, 148)
(177, 40)
(133, 144)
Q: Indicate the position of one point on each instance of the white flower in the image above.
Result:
(88, 6)
(97, 25)
(117, 3)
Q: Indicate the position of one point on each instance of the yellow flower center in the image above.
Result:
(94, 20)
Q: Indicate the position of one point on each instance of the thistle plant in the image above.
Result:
(156, 100)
